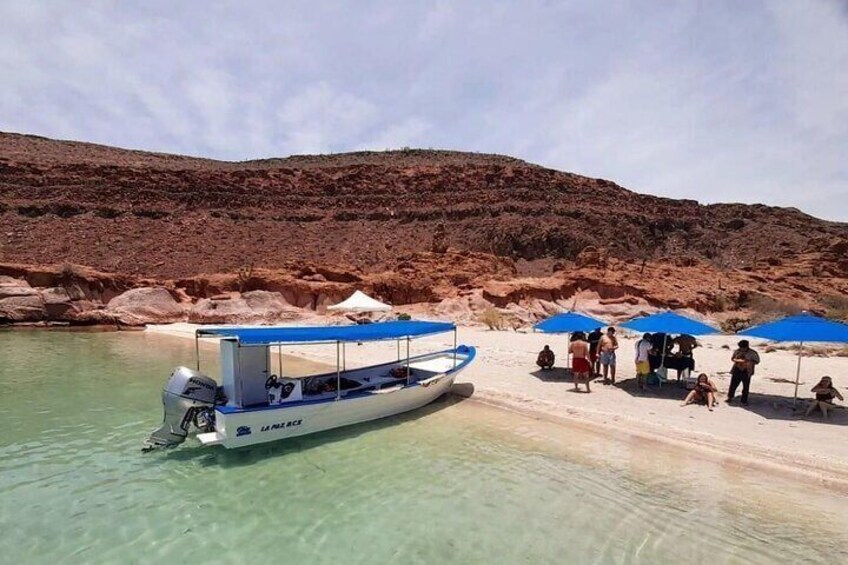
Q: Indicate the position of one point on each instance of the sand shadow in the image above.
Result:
(557, 374)
(670, 390)
(778, 407)
(222, 457)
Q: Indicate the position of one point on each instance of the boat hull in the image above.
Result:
(266, 424)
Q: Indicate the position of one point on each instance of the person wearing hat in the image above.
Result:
(744, 360)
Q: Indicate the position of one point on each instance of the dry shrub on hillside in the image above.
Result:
(243, 275)
(765, 308)
(733, 325)
(836, 306)
(809, 350)
(491, 318)
(720, 302)
(70, 272)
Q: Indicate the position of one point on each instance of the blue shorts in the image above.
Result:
(608, 358)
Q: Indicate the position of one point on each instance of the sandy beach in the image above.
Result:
(766, 435)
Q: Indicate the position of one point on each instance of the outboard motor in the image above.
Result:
(188, 398)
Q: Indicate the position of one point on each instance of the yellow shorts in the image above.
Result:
(643, 367)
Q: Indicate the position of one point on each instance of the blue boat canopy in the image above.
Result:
(318, 334)
(568, 322)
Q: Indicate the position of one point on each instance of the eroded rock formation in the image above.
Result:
(193, 239)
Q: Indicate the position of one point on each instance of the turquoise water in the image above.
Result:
(457, 482)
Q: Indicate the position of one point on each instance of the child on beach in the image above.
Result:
(704, 391)
(825, 393)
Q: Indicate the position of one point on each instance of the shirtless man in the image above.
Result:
(606, 348)
(580, 365)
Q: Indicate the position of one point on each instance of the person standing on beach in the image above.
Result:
(595, 337)
(643, 365)
(580, 366)
(606, 348)
(744, 360)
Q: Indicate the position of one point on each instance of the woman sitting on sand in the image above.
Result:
(825, 393)
(704, 391)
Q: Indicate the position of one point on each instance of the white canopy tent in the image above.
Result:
(360, 302)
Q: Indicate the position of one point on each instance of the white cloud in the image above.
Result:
(410, 132)
(712, 101)
(319, 119)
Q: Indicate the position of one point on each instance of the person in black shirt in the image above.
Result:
(546, 358)
(594, 337)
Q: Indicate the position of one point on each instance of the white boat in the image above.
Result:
(254, 406)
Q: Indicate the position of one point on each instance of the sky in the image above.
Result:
(716, 101)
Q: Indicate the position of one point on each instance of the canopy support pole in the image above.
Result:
(407, 361)
(338, 371)
(797, 374)
(344, 358)
(398, 349)
(197, 350)
(454, 348)
(568, 353)
(280, 358)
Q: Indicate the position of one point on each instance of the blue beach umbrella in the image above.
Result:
(670, 323)
(568, 322)
(802, 328)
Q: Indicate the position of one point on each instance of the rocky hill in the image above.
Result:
(415, 225)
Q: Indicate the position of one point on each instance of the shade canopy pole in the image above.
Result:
(407, 361)
(454, 348)
(280, 358)
(197, 350)
(568, 352)
(344, 357)
(338, 371)
(398, 348)
(798, 373)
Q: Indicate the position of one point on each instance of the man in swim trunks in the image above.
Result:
(580, 365)
(606, 347)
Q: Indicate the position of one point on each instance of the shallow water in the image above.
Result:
(455, 482)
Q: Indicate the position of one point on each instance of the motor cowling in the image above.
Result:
(188, 399)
